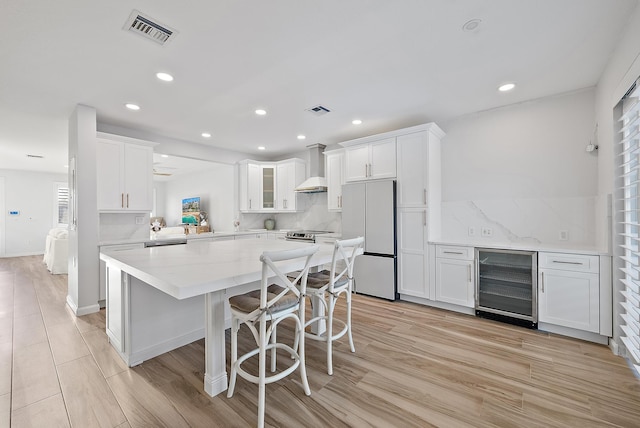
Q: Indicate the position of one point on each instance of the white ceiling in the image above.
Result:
(390, 63)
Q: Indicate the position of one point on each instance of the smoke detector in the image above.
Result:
(149, 28)
(318, 110)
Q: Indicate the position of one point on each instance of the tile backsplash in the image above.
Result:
(314, 216)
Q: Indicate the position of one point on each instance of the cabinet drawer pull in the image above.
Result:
(567, 263)
(453, 252)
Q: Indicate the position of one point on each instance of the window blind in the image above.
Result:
(63, 206)
(628, 218)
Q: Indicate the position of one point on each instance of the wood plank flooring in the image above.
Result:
(413, 367)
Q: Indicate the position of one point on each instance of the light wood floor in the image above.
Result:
(413, 367)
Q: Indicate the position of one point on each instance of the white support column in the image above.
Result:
(215, 377)
(83, 279)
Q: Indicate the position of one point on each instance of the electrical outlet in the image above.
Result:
(487, 232)
(563, 235)
(140, 219)
(472, 231)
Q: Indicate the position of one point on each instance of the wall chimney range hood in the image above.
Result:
(316, 182)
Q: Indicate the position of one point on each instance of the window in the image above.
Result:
(61, 204)
(628, 221)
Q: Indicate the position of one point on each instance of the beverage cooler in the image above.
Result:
(506, 286)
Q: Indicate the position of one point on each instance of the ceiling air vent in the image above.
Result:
(318, 110)
(149, 28)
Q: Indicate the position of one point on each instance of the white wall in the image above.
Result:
(31, 193)
(216, 189)
(523, 171)
(623, 68)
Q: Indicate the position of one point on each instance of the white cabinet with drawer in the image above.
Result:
(455, 275)
(569, 290)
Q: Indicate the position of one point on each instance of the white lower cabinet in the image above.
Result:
(455, 275)
(569, 291)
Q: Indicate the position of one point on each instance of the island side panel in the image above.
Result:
(160, 323)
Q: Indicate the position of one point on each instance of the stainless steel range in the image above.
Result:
(304, 235)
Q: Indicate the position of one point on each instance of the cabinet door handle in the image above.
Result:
(542, 280)
(249, 203)
(127, 200)
(425, 196)
(424, 217)
(285, 203)
(121, 200)
(469, 266)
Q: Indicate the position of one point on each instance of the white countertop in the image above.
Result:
(526, 246)
(184, 271)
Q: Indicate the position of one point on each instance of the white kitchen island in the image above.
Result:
(161, 298)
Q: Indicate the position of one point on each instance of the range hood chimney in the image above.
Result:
(316, 182)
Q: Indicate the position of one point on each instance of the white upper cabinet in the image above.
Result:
(250, 186)
(371, 161)
(289, 174)
(334, 170)
(124, 175)
(270, 187)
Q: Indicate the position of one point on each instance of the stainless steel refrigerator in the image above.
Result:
(369, 210)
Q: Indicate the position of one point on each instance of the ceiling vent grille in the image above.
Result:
(149, 28)
(318, 110)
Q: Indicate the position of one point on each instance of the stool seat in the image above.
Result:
(249, 302)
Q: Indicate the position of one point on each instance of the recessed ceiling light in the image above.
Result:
(166, 77)
(164, 156)
(132, 106)
(261, 112)
(301, 137)
(206, 135)
(262, 148)
(471, 25)
(356, 121)
(506, 87)
(66, 166)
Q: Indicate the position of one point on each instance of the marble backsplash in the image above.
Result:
(122, 226)
(522, 221)
(314, 216)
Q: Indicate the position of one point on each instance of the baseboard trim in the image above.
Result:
(84, 310)
(138, 357)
